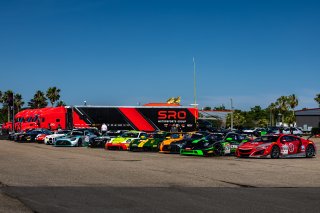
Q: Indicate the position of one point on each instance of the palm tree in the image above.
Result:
(6, 101)
(18, 102)
(293, 101)
(282, 105)
(61, 103)
(317, 99)
(53, 94)
(39, 100)
(272, 108)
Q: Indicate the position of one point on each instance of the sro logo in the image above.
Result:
(172, 115)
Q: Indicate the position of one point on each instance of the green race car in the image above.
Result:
(235, 140)
(151, 143)
(210, 145)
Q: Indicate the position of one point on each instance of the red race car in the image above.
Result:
(277, 146)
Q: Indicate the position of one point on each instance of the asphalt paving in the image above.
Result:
(41, 178)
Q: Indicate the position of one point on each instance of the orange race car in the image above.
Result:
(165, 145)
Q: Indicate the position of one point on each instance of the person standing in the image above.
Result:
(104, 128)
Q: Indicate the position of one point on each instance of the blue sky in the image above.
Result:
(117, 52)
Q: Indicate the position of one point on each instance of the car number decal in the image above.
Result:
(285, 150)
(291, 147)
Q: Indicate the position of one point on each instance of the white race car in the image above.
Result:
(50, 139)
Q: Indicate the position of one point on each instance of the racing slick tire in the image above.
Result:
(275, 152)
(310, 151)
(79, 143)
(218, 150)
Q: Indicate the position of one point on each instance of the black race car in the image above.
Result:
(31, 135)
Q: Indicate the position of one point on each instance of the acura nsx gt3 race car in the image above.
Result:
(122, 142)
(206, 146)
(277, 146)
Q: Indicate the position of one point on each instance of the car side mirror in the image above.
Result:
(143, 137)
(228, 139)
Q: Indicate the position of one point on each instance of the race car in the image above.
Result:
(77, 137)
(151, 143)
(100, 141)
(209, 145)
(277, 146)
(122, 142)
(30, 136)
(40, 138)
(175, 147)
(50, 139)
(174, 137)
(235, 140)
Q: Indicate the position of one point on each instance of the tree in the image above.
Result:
(38, 101)
(222, 107)
(207, 108)
(317, 99)
(6, 101)
(293, 101)
(18, 102)
(282, 106)
(272, 108)
(53, 94)
(61, 103)
(238, 119)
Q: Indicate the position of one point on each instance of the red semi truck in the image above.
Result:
(142, 118)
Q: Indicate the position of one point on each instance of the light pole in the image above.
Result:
(231, 114)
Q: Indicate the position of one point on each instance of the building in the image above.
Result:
(215, 115)
(306, 118)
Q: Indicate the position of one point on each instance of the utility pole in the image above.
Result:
(194, 88)
(13, 112)
(231, 114)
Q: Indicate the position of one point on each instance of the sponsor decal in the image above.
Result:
(303, 148)
(172, 115)
(234, 146)
(291, 147)
(284, 150)
(87, 139)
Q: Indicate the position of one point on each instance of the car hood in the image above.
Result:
(120, 139)
(250, 145)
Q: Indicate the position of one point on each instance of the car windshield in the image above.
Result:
(77, 133)
(219, 137)
(266, 139)
(156, 135)
(196, 136)
(63, 132)
(130, 135)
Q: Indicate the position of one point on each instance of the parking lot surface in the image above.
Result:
(41, 178)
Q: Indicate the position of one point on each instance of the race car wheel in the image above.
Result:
(275, 152)
(218, 150)
(310, 151)
(79, 142)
